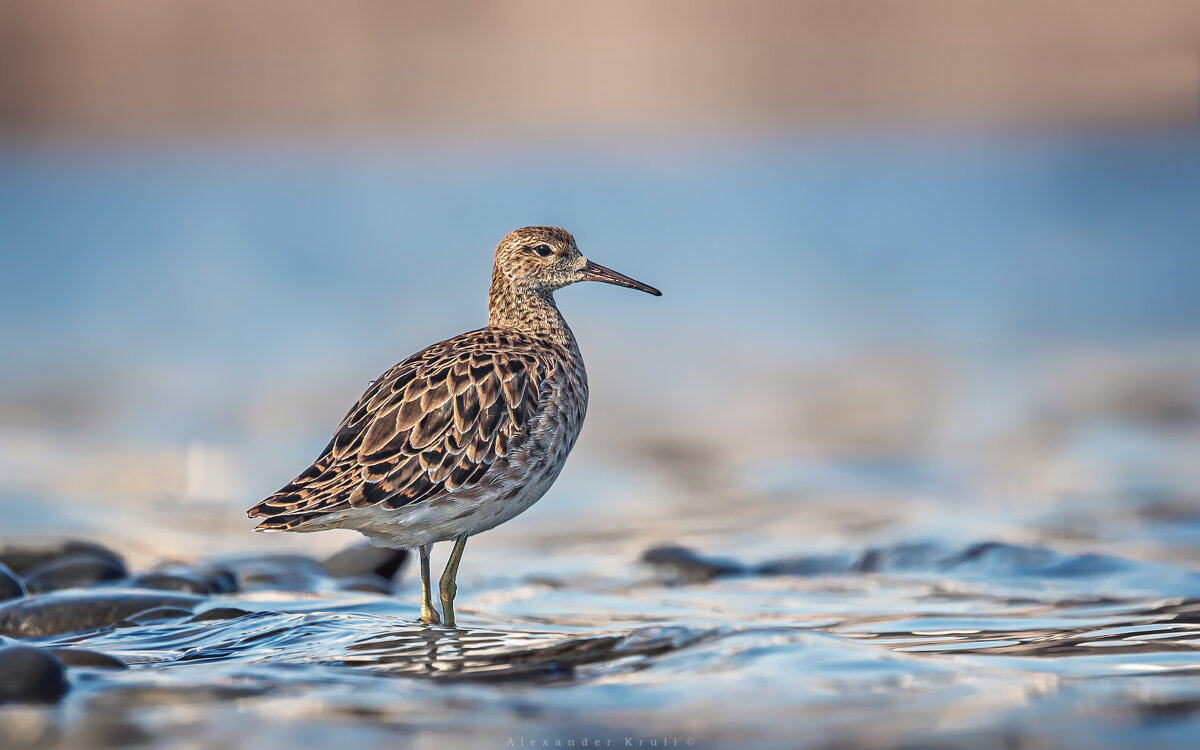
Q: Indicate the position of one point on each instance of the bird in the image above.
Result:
(465, 434)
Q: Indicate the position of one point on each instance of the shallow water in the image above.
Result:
(930, 479)
(991, 645)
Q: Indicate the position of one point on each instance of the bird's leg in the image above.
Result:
(449, 588)
(429, 615)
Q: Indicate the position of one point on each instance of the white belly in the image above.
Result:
(448, 518)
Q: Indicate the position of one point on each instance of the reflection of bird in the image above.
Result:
(463, 436)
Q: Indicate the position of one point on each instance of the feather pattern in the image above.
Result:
(468, 433)
(435, 423)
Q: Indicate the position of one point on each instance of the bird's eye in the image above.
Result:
(544, 251)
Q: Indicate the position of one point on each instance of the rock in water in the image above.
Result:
(682, 565)
(74, 571)
(171, 582)
(10, 586)
(23, 558)
(219, 578)
(205, 579)
(78, 611)
(31, 675)
(220, 613)
(282, 572)
(79, 657)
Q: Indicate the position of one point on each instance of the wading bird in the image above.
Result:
(466, 434)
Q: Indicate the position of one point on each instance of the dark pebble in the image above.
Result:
(902, 556)
(22, 558)
(1000, 554)
(78, 611)
(991, 559)
(78, 657)
(171, 582)
(682, 565)
(365, 559)
(31, 675)
(812, 565)
(1004, 559)
(204, 580)
(220, 579)
(219, 613)
(74, 571)
(10, 586)
(281, 572)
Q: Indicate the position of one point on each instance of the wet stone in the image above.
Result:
(31, 675)
(169, 582)
(74, 571)
(78, 611)
(682, 565)
(11, 587)
(998, 554)
(219, 613)
(203, 580)
(810, 565)
(904, 556)
(79, 657)
(993, 559)
(23, 558)
(279, 572)
(661, 639)
(1004, 559)
(219, 578)
(365, 559)
(896, 557)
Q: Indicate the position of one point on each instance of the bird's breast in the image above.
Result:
(553, 433)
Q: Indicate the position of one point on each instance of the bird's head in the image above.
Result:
(544, 259)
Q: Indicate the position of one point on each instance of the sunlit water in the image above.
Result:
(924, 415)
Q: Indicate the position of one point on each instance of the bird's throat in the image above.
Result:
(526, 309)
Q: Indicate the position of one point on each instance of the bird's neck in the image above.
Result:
(527, 310)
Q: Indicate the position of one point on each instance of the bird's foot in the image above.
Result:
(429, 616)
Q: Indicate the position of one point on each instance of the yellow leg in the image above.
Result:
(449, 588)
(429, 615)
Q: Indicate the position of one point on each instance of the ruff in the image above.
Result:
(466, 434)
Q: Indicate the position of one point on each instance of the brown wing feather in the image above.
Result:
(432, 424)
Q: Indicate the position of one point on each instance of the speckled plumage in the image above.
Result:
(468, 433)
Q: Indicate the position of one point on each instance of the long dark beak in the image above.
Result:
(596, 272)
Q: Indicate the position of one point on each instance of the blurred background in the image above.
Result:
(931, 271)
(393, 71)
